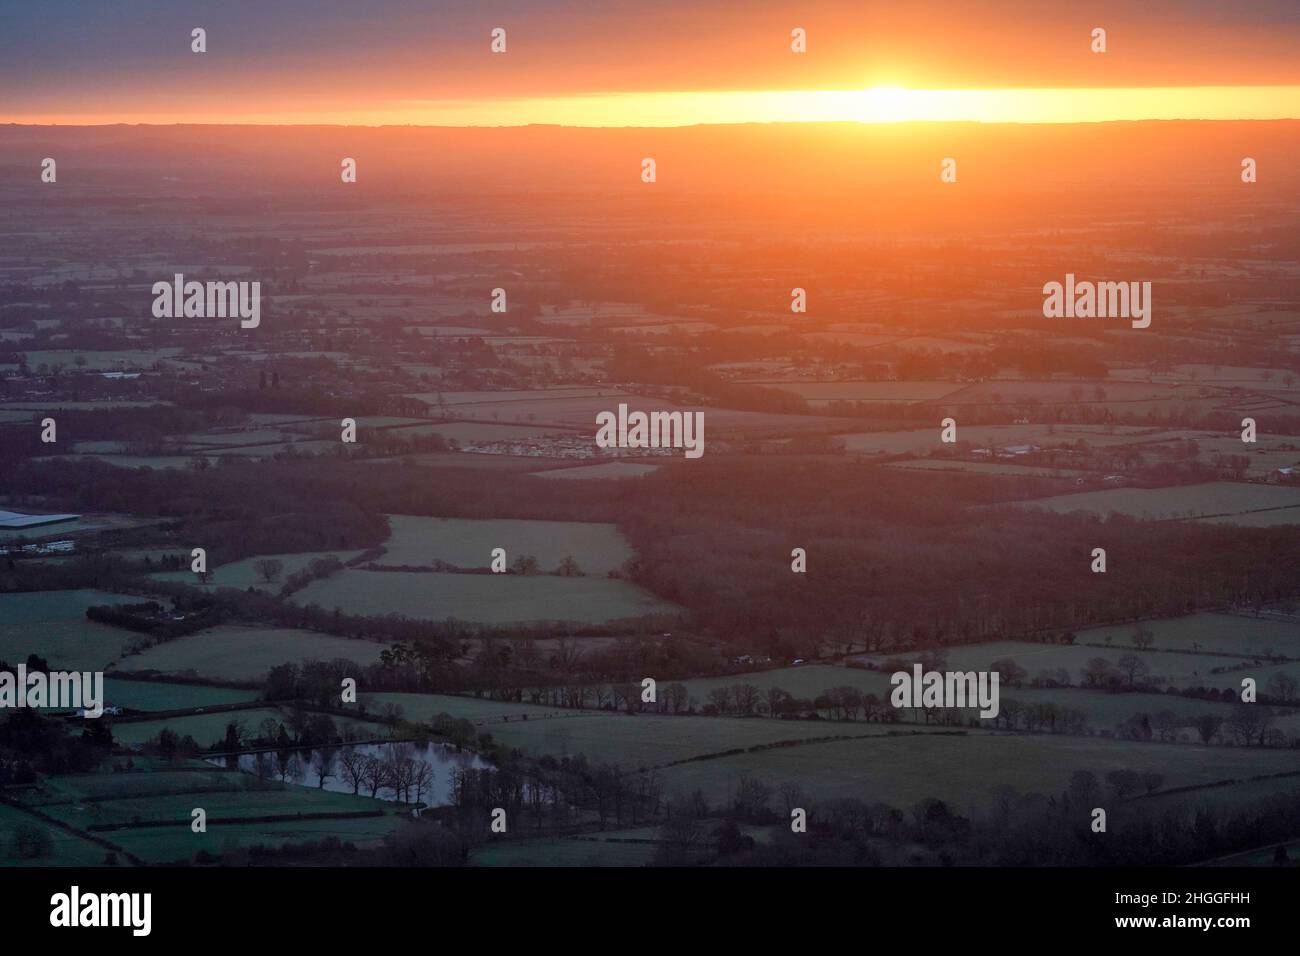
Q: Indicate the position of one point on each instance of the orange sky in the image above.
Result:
(620, 62)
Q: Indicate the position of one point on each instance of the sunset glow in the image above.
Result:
(879, 104)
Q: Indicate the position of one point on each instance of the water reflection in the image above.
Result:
(406, 772)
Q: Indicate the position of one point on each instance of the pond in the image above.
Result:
(398, 771)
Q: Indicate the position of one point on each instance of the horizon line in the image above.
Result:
(878, 105)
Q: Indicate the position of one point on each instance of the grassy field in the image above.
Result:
(598, 548)
(610, 469)
(66, 849)
(157, 695)
(54, 625)
(246, 653)
(482, 598)
(469, 433)
(1225, 633)
(206, 729)
(921, 440)
(243, 574)
(104, 799)
(649, 741)
(983, 468)
(966, 770)
(1181, 670)
(567, 851)
(822, 393)
(107, 360)
(424, 707)
(1183, 501)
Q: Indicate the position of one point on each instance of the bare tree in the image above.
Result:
(352, 766)
(374, 774)
(323, 762)
(268, 568)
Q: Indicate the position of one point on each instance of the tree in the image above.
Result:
(1133, 667)
(1100, 672)
(1207, 726)
(352, 767)
(569, 568)
(374, 774)
(1010, 673)
(323, 762)
(268, 568)
(1084, 788)
(1123, 782)
(31, 841)
(1166, 724)
(1143, 638)
(1282, 686)
(423, 780)
(524, 564)
(1248, 723)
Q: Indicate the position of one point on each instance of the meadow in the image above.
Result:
(966, 770)
(1182, 670)
(1224, 633)
(241, 653)
(66, 849)
(1181, 501)
(54, 625)
(243, 574)
(565, 851)
(610, 469)
(160, 695)
(467, 543)
(170, 794)
(482, 598)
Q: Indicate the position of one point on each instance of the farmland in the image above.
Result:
(66, 639)
(120, 806)
(482, 598)
(244, 574)
(1274, 504)
(414, 541)
(237, 653)
(966, 769)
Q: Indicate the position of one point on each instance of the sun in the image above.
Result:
(885, 104)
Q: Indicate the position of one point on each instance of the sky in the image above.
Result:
(645, 63)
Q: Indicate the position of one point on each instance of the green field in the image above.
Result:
(1184, 501)
(54, 625)
(107, 360)
(482, 598)
(1222, 633)
(415, 541)
(171, 844)
(105, 799)
(243, 574)
(238, 653)
(424, 707)
(966, 770)
(206, 729)
(568, 851)
(610, 469)
(1179, 670)
(805, 682)
(66, 849)
(649, 740)
(157, 695)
